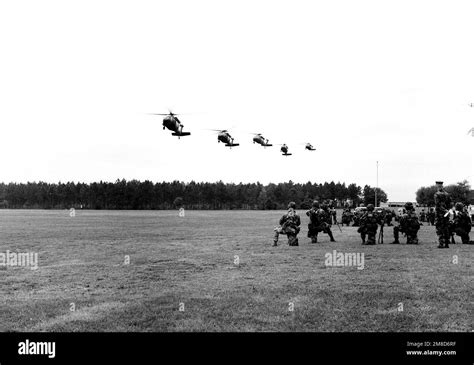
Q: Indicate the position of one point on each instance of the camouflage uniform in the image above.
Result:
(462, 223)
(368, 225)
(356, 219)
(430, 216)
(451, 216)
(289, 225)
(333, 215)
(423, 216)
(397, 228)
(442, 205)
(318, 223)
(410, 225)
(388, 218)
(347, 217)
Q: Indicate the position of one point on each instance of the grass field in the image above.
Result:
(84, 283)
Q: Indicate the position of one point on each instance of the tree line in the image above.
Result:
(459, 192)
(123, 194)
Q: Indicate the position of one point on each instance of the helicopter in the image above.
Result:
(261, 140)
(172, 122)
(225, 137)
(284, 150)
(309, 147)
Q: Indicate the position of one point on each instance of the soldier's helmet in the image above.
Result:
(292, 205)
(370, 207)
(459, 206)
(315, 204)
(409, 206)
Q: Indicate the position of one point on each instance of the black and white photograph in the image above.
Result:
(256, 171)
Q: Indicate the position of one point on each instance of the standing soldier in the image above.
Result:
(462, 223)
(442, 204)
(333, 213)
(289, 225)
(423, 216)
(431, 217)
(388, 217)
(318, 223)
(410, 224)
(368, 225)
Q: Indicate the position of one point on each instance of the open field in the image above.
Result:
(192, 260)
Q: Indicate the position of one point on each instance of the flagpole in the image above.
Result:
(377, 187)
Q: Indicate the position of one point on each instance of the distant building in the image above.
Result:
(399, 204)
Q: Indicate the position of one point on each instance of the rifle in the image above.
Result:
(380, 241)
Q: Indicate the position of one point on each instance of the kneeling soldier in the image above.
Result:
(410, 224)
(462, 223)
(289, 225)
(346, 217)
(397, 228)
(318, 223)
(368, 225)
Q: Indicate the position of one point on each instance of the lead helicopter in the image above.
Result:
(225, 137)
(309, 147)
(172, 122)
(261, 140)
(284, 150)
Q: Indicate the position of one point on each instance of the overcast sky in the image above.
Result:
(361, 80)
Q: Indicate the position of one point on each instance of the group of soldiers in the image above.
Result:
(321, 218)
(429, 216)
(406, 222)
(448, 218)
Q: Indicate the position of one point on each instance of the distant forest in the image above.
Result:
(135, 194)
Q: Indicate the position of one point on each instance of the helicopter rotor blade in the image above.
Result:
(171, 113)
(218, 130)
